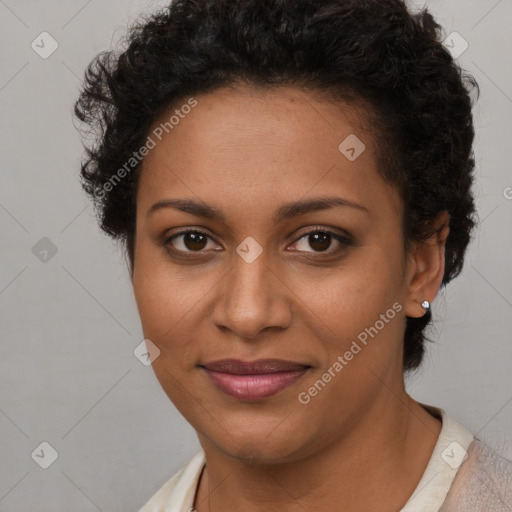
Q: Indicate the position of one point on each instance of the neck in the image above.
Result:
(375, 465)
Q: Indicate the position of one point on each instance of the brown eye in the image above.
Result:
(188, 241)
(321, 241)
(194, 241)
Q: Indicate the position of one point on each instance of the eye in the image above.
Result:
(190, 240)
(195, 241)
(320, 241)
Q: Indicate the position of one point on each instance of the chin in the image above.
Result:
(254, 440)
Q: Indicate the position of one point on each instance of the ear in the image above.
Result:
(426, 267)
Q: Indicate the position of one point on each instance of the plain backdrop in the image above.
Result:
(68, 321)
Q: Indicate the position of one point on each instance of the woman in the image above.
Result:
(291, 180)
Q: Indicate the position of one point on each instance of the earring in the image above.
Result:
(426, 305)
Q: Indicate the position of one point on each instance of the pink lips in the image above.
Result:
(253, 380)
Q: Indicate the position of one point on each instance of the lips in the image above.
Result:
(237, 367)
(253, 380)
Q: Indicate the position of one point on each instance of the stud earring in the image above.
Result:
(426, 305)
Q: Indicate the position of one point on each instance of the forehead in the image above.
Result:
(252, 148)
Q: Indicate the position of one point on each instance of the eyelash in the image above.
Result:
(343, 241)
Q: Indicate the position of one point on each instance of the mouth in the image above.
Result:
(254, 380)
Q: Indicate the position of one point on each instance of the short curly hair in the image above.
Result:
(376, 53)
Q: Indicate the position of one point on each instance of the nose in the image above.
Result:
(251, 298)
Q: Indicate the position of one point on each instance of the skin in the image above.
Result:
(362, 441)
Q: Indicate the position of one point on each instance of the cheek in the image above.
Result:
(354, 296)
(155, 294)
(170, 302)
(161, 305)
(160, 309)
(358, 317)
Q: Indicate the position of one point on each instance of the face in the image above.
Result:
(259, 239)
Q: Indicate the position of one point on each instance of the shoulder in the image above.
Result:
(464, 474)
(178, 492)
(484, 481)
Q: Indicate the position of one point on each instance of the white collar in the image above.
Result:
(449, 453)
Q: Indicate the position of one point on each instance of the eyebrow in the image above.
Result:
(286, 211)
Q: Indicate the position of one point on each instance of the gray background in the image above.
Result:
(69, 325)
